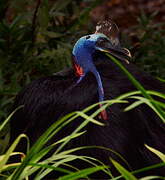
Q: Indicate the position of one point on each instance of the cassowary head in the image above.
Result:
(104, 39)
(85, 48)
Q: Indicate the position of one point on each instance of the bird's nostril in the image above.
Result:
(87, 37)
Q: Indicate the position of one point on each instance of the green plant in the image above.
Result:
(59, 161)
(151, 39)
(36, 39)
(155, 105)
(32, 161)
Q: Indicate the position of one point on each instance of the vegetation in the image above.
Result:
(150, 54)
(36, 39)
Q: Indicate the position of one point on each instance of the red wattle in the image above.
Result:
(103, 114)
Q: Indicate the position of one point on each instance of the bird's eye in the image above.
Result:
(103, 40)
(87, 37)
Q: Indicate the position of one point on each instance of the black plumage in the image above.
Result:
(47, 99)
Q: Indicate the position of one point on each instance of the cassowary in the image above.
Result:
(47, 99)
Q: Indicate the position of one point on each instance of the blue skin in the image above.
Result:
(82, 51)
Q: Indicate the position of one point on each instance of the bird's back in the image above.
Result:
(47, 99)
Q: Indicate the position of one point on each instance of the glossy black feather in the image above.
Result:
(49, 98)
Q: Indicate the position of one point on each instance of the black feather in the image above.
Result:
(49, 98)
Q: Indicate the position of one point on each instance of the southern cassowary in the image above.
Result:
(47, 99)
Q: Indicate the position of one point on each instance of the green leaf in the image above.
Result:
(10, 150)
(52, 34)
(59, 5)
(125, 173)
(156, 108)
(82, 173)
(133, 105)
(151, 177)
(43, 16)
(51, 167)
(8, 118)
(158, 153)
(149, 168)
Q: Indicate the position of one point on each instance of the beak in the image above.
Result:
(105, 45)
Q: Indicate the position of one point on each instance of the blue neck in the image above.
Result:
(84, 59)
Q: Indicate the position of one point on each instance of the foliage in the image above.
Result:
(36, 39)
(35, 155)
(150, 54)
(156, 106)
(36, 161)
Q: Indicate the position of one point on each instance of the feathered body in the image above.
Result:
(47, 99)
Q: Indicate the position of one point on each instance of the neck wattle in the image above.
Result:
(84, 65)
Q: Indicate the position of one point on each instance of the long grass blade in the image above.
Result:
(138, 86)
(82, 173)
(10, 150)
(158, 153)
(125, 173)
